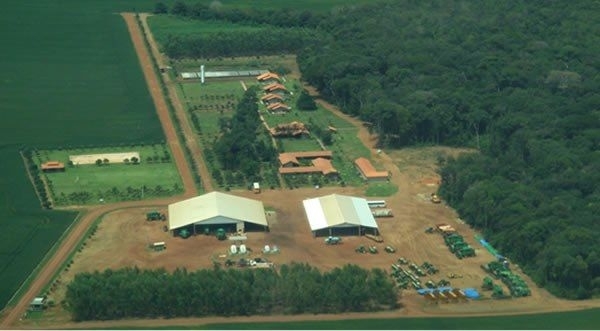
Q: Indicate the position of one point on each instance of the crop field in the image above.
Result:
(61, 86)
(154, 176)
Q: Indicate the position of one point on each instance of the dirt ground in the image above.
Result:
(123, 237)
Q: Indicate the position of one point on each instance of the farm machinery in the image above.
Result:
(373, 250)
(390, 249)
(457, 245)
(410, 277)
(155, 216)
(333, 240)
(516, 285)
(430, 268)
(435, 198)
(361, 249)
(377, 239)
(402, 261)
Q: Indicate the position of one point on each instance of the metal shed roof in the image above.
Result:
(211, 205)
(337, 211)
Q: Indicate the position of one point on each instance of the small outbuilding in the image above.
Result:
(335, 215)
(368, 172)
(37, 304)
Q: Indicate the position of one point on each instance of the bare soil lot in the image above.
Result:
(123, 237)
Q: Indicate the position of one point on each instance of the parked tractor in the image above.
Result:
(373, 250)
(435, 198)
(390, 249)
(402, 261)
(430, 284)
(221, 235)
(488, 284)
(453, 275)
(361, 249)
(333, 240)
(443, 282)
(155, 216)
(498, 292)
(429, 230)
(465, 252)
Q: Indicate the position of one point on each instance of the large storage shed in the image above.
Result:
(339, 215)
(217, 209)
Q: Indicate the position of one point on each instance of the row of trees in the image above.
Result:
(38, 183)
(240, 146)
(295, 289)
(282, 17)
(238, 43)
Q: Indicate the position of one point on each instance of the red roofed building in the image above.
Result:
(269, 77)
(368, 172)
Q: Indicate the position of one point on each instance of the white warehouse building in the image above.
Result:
(334, 215)
(217, 209)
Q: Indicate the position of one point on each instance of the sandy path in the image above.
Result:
(188, 132)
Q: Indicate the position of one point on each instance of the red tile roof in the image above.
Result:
(274, 87)
(53, 165)
(271, 96)
(367, 169)
(266, 76)
(277, 105)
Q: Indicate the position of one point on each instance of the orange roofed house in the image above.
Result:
(271, 98)
(268, 78)
(278, 108)
(368, 172)
(320, 160)
(276, 88)
(53, 166)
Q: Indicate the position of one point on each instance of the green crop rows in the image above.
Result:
(70, 77)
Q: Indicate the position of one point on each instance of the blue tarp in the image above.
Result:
(471, 293)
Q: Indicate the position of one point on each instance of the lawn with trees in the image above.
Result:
(516, 80)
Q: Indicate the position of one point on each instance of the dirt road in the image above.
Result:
(188, 132)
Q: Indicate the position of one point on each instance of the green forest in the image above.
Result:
(517, 80)
(294, 289)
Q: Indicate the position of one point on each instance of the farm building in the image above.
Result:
(275, 88)
(368, 172)
(217, 210)
(339, 215)
(268, 78)
(53, 166)
(278, 107)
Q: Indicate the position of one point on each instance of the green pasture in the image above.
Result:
(156, 175)
(304, 144)
(381, 190)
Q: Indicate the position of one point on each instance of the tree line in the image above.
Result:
(294, 289)
(243, 144)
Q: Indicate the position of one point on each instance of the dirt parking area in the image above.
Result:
(123, 239)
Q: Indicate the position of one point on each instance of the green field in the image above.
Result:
(381, 190)
(70, 77)
(155, 176)
(576, 320)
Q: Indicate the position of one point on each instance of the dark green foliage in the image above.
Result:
(240, 146)
(160, 8)
(296, 289)
(239, 43)
(305, 101)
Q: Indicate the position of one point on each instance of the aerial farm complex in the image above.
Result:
(321, 193)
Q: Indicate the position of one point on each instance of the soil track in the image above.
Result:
(188, 132)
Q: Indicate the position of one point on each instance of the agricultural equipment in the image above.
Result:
(402, 261)
(184, 233)
(373, 250)
(155, 216)
(378, 239)
(453, 239)
(520, 291)
(443, 282)
(221, 235)
(361, 249)
(497, 292)
(458, 246)
(429, 230)
(390, 249)
(465, 252)
(435, 198)
(333, 240)
(430, 268)
(453, 275)
(488, 284)
(207, 231)
(430, 284)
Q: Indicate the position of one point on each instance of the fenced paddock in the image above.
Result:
(111, 157)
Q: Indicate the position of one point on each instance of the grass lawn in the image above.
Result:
(156, 175)
(381, 190)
